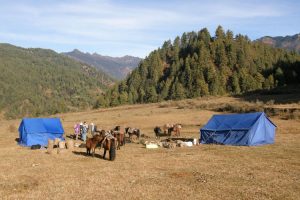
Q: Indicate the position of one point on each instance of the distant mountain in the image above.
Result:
(37, 82)
(117, 67)
(287, 42)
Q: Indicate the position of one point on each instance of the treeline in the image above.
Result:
(197, 64)
(36, 82)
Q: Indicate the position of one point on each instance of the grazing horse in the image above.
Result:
(91, 144)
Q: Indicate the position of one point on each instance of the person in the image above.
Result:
(80, 128)
(92, 128)
(76, 130)
(84, 131)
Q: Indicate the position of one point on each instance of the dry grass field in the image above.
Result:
(199, 172)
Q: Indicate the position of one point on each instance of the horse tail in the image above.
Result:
(112, 150)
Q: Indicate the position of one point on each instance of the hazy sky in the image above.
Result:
(137, 27)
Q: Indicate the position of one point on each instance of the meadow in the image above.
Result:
(198, 172)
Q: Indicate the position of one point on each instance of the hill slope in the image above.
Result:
(287, 42)
(117, 67)
(35, 82)
(197, 64)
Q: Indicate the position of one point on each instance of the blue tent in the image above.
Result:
(249, 129)
(38, 130)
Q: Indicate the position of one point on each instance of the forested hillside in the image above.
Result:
(117, 67)
(36, 82)
(198, 64)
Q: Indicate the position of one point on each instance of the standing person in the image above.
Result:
(76, 130)
(84, 131)
(80, 129)
(92, 127)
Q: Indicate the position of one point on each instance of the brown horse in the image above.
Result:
(170, 128)
(120, 139)
(119, 135)
(91, 144)
(109, 144)
(176, 129)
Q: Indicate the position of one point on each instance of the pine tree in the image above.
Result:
(279, 76)
(235, 84)
(269, 82)
(220, 33)
(165, 90)
(123, 98)
(141, 95)
(179, 91)
(151, 95)
(204, 36)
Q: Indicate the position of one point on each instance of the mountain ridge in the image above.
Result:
(289, 42)
(117, 67)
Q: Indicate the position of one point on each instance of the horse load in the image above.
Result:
(134, 134)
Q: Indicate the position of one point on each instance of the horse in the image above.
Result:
(158, 132)
(119, 135)
(133, 131)
(91, 144)
(176, 129)
(109, 144)
(167, 128)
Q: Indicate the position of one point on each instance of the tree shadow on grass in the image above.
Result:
(279, 95)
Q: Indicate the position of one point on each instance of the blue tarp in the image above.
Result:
(249, 129)
(34, 131)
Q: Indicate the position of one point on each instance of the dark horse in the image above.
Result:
(158, 132)
(109, 144)
(91, 143)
